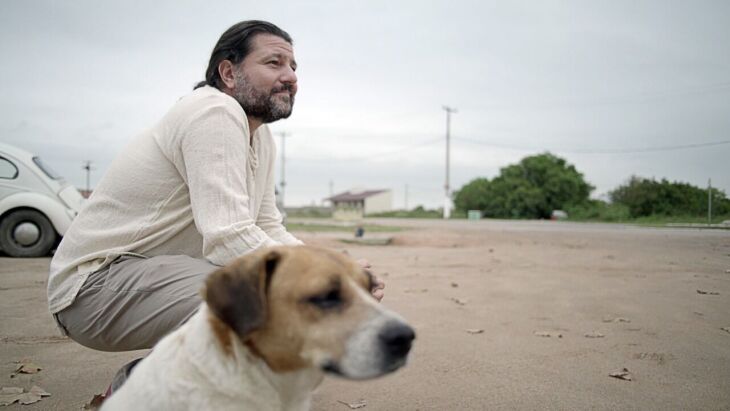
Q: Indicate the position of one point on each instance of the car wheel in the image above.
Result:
(26, 233)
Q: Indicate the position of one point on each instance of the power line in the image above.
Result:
(374, 156)
(599, 151)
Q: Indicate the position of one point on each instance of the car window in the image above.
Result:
(7, 169)
(49, 171)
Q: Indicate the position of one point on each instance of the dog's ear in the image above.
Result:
(236, 293)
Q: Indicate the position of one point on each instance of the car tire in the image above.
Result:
(41, 247)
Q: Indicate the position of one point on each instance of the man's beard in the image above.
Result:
(268, 107)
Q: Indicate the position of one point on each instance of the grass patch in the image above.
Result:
(418, 212)
(369, 228)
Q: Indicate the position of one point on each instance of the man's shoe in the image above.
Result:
(121, 376)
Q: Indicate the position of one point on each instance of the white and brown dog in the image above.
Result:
(272, 324)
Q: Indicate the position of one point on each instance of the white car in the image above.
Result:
(36, 204)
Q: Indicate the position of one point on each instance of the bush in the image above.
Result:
(598, 210)
(644, 197)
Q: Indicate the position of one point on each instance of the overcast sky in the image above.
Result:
(618, 88)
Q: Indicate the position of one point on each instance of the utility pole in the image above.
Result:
(88, 168)
(282, 184)
(709, 201)
(447, 193)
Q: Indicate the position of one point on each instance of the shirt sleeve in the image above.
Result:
(214, 162)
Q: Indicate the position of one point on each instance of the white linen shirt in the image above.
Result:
(191, 185)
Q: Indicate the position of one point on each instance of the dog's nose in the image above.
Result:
(397, 339)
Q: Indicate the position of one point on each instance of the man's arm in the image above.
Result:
(214, 163)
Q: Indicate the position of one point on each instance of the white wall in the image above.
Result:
(379, 203)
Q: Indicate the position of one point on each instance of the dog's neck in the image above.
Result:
(230, 367)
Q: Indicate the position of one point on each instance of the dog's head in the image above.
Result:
(298, 307)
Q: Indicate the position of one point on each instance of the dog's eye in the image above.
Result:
(327, 301)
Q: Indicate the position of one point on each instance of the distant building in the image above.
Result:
(355, 204)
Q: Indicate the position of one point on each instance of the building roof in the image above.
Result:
(354, 196)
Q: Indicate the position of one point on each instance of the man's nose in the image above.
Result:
(289, 76)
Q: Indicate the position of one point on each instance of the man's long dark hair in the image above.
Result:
(234, 45)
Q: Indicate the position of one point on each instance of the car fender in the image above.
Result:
(58, 214)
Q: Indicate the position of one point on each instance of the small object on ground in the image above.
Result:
(616, 320)
(594, 334)
(658, 357)
(95, 403)
(726, 329)
(475, 330)
(454, 285)
(727, 271)
(354, 405)
(458, 301)
(698, 313)
(359, 232)
(548, 334)
(624, 374)
(10, 395)
(703, 292)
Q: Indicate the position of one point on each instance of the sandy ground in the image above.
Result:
(513, 280)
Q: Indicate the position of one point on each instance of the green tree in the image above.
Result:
(533, 188)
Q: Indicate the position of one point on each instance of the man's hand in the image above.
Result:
(378, 288)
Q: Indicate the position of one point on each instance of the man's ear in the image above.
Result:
(225, 71)
(236, 293)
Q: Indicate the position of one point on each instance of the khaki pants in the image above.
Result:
(134, 302)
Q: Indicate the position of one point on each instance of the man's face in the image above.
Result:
(264, 82)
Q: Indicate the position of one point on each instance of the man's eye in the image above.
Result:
(273, 63)
(327, 301)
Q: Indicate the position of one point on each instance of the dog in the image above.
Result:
(272, 324)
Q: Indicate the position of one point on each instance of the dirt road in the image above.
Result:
(658, 297)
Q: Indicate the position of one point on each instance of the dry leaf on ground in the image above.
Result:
(9, 395)
(26, 368)
(95, 403)
(454, 284)
(354, 405)
(594, 334)
(703, 292)
(624, 374)
(475, 330)
(616, 320)
(726, 329)
(458, 301)
(548, 334)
